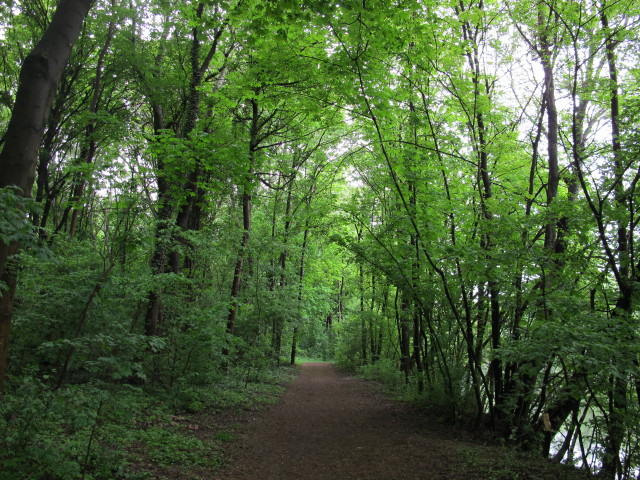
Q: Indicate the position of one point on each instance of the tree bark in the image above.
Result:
(44, 158)
(39, 78)
(621, 314)
(235, 285)
(553, 176)
(164, 216)
(279, 320)
(294, 345)
(246, 218)
(303, 250)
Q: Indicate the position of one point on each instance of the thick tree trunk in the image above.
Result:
(162, 237)
(39, 79)
(553, 175)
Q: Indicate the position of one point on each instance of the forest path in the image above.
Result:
(330, 426)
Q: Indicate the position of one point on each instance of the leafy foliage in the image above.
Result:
(441, 196)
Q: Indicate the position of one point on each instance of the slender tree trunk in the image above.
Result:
(284, 255)
(363, 322)
(39, 77)
(246, 218)
(303, 251)
(549, 269)
(340, 298)
(623, 308)
(414, 242)
(549, 272)
(237, 272)
(373, 348)
(82, 322)
(417, 348)
(566, 402)
(294, 345)
(91, 145)
(44, 159)
(403, 316)
(478, 132)
(513, 377)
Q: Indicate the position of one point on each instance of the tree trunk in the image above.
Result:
(553, 176)
(165, 213)
(363, 322)
(44, 158)
(478, 133)
(294, 345)
(162, 236)
(39, 77)
(303, 250)
(235, 284)
(403, 311)
(91, 146)
(623, 309)
(279, 320)
(246, 218)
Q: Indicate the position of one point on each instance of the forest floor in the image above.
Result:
(331, 426)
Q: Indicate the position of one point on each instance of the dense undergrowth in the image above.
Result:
(102, 431)
(90, 395)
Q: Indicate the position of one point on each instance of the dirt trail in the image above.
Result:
(329, 426)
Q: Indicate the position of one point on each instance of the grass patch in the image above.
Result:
(224, 437)
(300, 360)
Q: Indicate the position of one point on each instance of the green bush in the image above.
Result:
(385, 371)
(47, 434)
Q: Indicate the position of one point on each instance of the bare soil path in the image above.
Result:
(329, 426)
